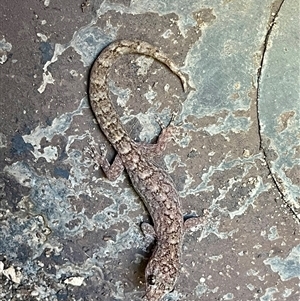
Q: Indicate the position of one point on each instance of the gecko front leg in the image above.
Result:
(156, 149)
(111, 171)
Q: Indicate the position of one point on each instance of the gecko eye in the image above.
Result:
(151, 279)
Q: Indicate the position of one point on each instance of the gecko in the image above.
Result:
(152, 183)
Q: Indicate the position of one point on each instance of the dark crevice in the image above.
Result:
(271, 24)
(272, 21)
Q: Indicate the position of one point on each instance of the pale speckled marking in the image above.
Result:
(152, 183)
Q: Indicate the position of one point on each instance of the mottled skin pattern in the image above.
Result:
(152, 183)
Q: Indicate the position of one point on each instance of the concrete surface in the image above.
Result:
(66, 232)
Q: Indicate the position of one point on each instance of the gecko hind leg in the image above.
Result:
(197, 221)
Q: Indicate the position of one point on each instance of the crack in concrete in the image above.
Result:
(271, 24)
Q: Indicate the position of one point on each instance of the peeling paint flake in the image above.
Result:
(273, 233)
(5, 47)
(47, 79)
(259, 188)
(90, 40)
(13, 275)
(46, 3)
(59, 126)
(229, 124)
(3, 141)
(150, 95)
(144, 63)
(268, 296)
(43, 37)
(286, 268)
(75, 281)
(87, 42)
(123, 95)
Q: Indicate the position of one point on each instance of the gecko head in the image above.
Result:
(160, 276)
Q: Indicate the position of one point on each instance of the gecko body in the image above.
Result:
(151, 182)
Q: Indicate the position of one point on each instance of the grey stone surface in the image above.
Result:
(66, 232)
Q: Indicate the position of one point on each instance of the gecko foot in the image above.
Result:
(160, 123)
(97, 156)
(167, 133)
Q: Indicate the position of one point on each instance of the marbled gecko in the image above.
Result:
(151, 182)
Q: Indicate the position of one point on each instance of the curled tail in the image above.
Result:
(98, 90)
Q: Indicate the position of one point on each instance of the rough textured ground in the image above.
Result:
(66, 232)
